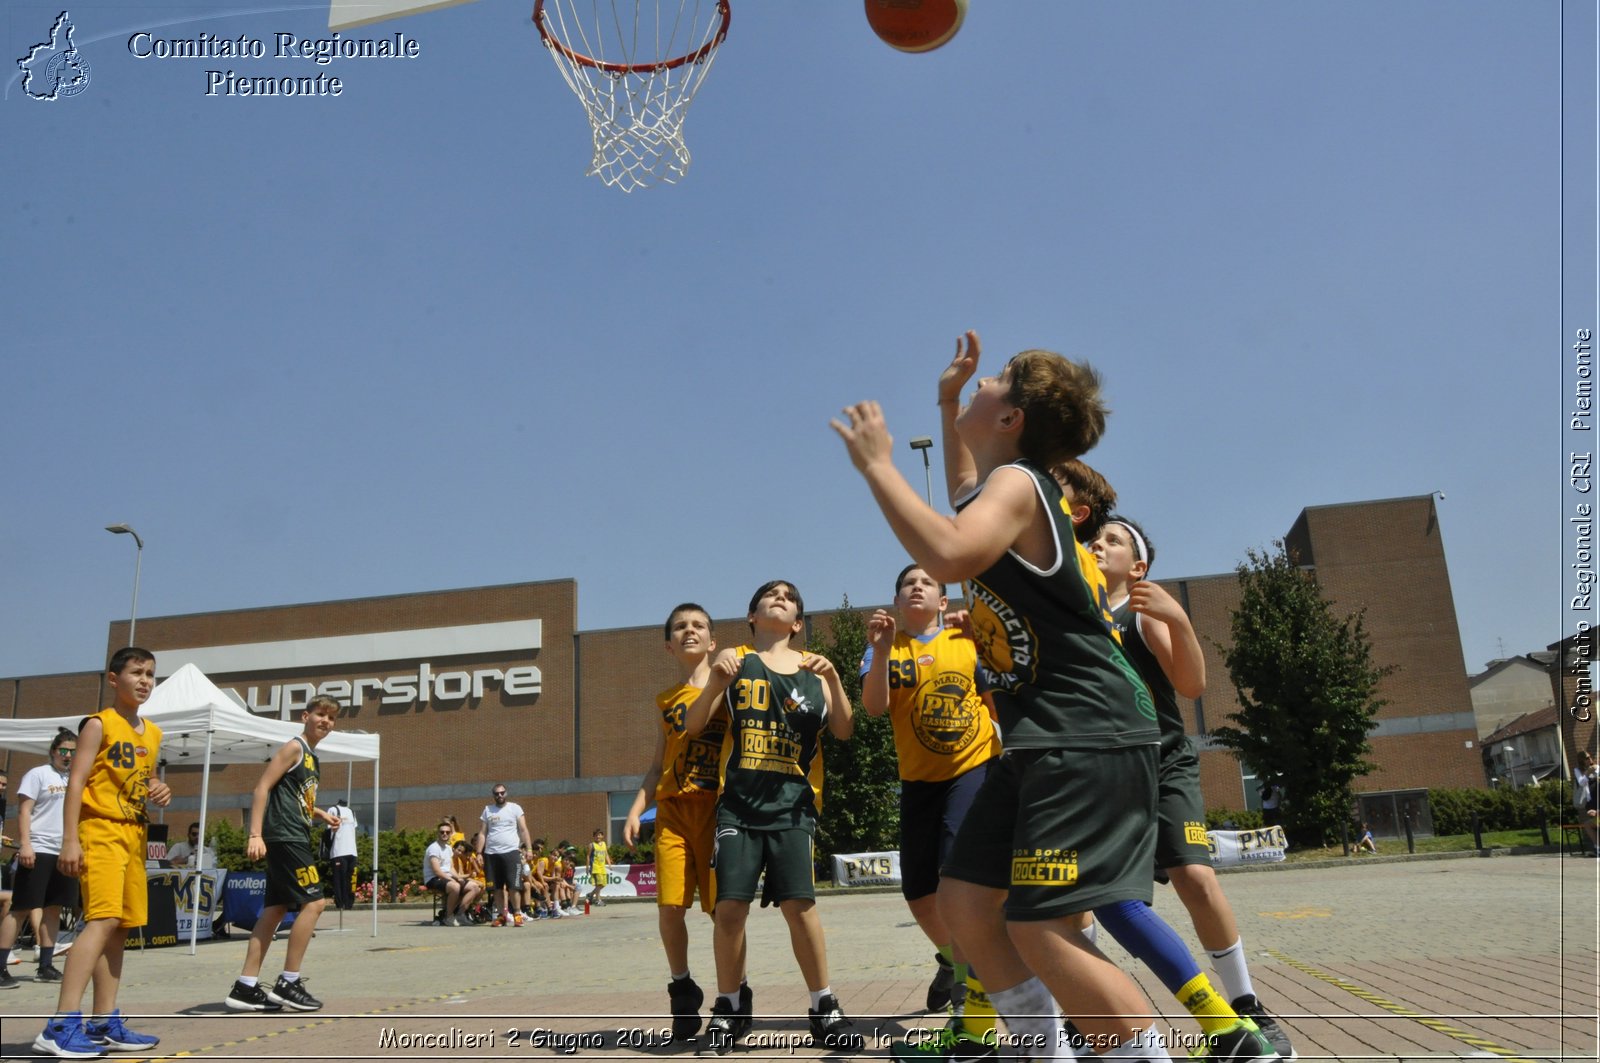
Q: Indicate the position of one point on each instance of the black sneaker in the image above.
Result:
(944, 980)
(250, 998)
(937, 1046)
(1242, 1042)
(724, 1029)
(294, 995)
(685, 998)
(1250, 1008)
(831, 1030)
(6, 981)
(47, 974)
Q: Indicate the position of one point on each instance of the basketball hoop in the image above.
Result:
(635, 69)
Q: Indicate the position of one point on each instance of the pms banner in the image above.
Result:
(209, 886)
(866, 869)
(1236, 848)
(622, 880)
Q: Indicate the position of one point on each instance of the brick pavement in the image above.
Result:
(1421, 959)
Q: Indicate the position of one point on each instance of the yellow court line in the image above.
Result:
(1390, 1006)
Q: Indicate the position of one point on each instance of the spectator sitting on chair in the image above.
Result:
(185, 853)
(1586, 800)
(439, 874)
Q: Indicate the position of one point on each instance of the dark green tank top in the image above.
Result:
(290, 801)
(772, 757)
(1161, 691)
(1047, 649)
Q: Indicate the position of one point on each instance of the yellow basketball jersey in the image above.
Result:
(689, 766)
(119, 781)
(942, 728)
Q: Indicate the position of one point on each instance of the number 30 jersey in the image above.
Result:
(772, 756)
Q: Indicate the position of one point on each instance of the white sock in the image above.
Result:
(1232, 969)
(1091, 932)
(1030, 1012)
(248, 980)
(816, 997)
(732, 999)
(291, 976)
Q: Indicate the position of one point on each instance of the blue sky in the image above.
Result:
(395, 341)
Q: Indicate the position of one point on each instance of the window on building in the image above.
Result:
(618, 801)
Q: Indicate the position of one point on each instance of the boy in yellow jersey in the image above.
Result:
(777, 701)
(682, 780)
(1063, 823)
(103, 842)
(282, 812)
(924, 676)
(599, 861)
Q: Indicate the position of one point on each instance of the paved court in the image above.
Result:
(1423, 959)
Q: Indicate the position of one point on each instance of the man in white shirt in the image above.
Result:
(504, 826)
(41, 797)
(343, 856)
(439, 875)
(184, 853)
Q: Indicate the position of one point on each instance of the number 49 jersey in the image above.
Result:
(772, 756)
(119, 781)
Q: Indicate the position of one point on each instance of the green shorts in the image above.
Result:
(1062, 830)
(741, 855)
(292, 877)
(1180, 814)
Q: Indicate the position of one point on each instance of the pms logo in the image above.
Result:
(186, 886)
(947, 717)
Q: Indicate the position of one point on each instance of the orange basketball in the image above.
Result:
(915, 25)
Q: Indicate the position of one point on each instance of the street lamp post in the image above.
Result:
(138, 559)
(924, 444)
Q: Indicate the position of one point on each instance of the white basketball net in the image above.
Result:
(635, 88)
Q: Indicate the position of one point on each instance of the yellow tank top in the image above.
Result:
(689, 766)
(942, 728)
(119, 781)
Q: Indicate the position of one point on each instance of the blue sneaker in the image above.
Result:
(114, 1035)
(64, 1036)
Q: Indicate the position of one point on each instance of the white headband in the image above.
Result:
(1140, 548)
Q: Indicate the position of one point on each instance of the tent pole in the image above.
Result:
(200, 863)
(376, 833)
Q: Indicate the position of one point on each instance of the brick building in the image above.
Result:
(479, 686)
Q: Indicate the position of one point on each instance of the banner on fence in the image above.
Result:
(622, 880)
(1234, 848)
(866, 869)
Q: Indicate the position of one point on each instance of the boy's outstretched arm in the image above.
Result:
(950, 549)
(698, 714)
(875, 680)
(841, 714)
(960, 471)
(1171, 637)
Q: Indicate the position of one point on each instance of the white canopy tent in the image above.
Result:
(202, 725)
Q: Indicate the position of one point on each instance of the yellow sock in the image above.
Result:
(977, 1016)
(1209, 1008)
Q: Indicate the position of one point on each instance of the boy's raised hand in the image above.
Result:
(724, 668)
(961, 367)
(817, 663)
(1153, 601)
(880, 630)
(865, 435)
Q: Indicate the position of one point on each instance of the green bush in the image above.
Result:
(1499, 809)
(1245, 819)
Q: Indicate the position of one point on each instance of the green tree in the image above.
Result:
(1308, 687)
(860, 802)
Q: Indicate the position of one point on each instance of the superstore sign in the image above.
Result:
(420, 683)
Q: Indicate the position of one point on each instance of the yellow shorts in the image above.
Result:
(686, 833)
(113, 884)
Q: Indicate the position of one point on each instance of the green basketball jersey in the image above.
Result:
(1047, 647)
(772, 756)
(1138, 652)
(291, 800)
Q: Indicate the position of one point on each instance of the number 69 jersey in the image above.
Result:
(119, 781)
